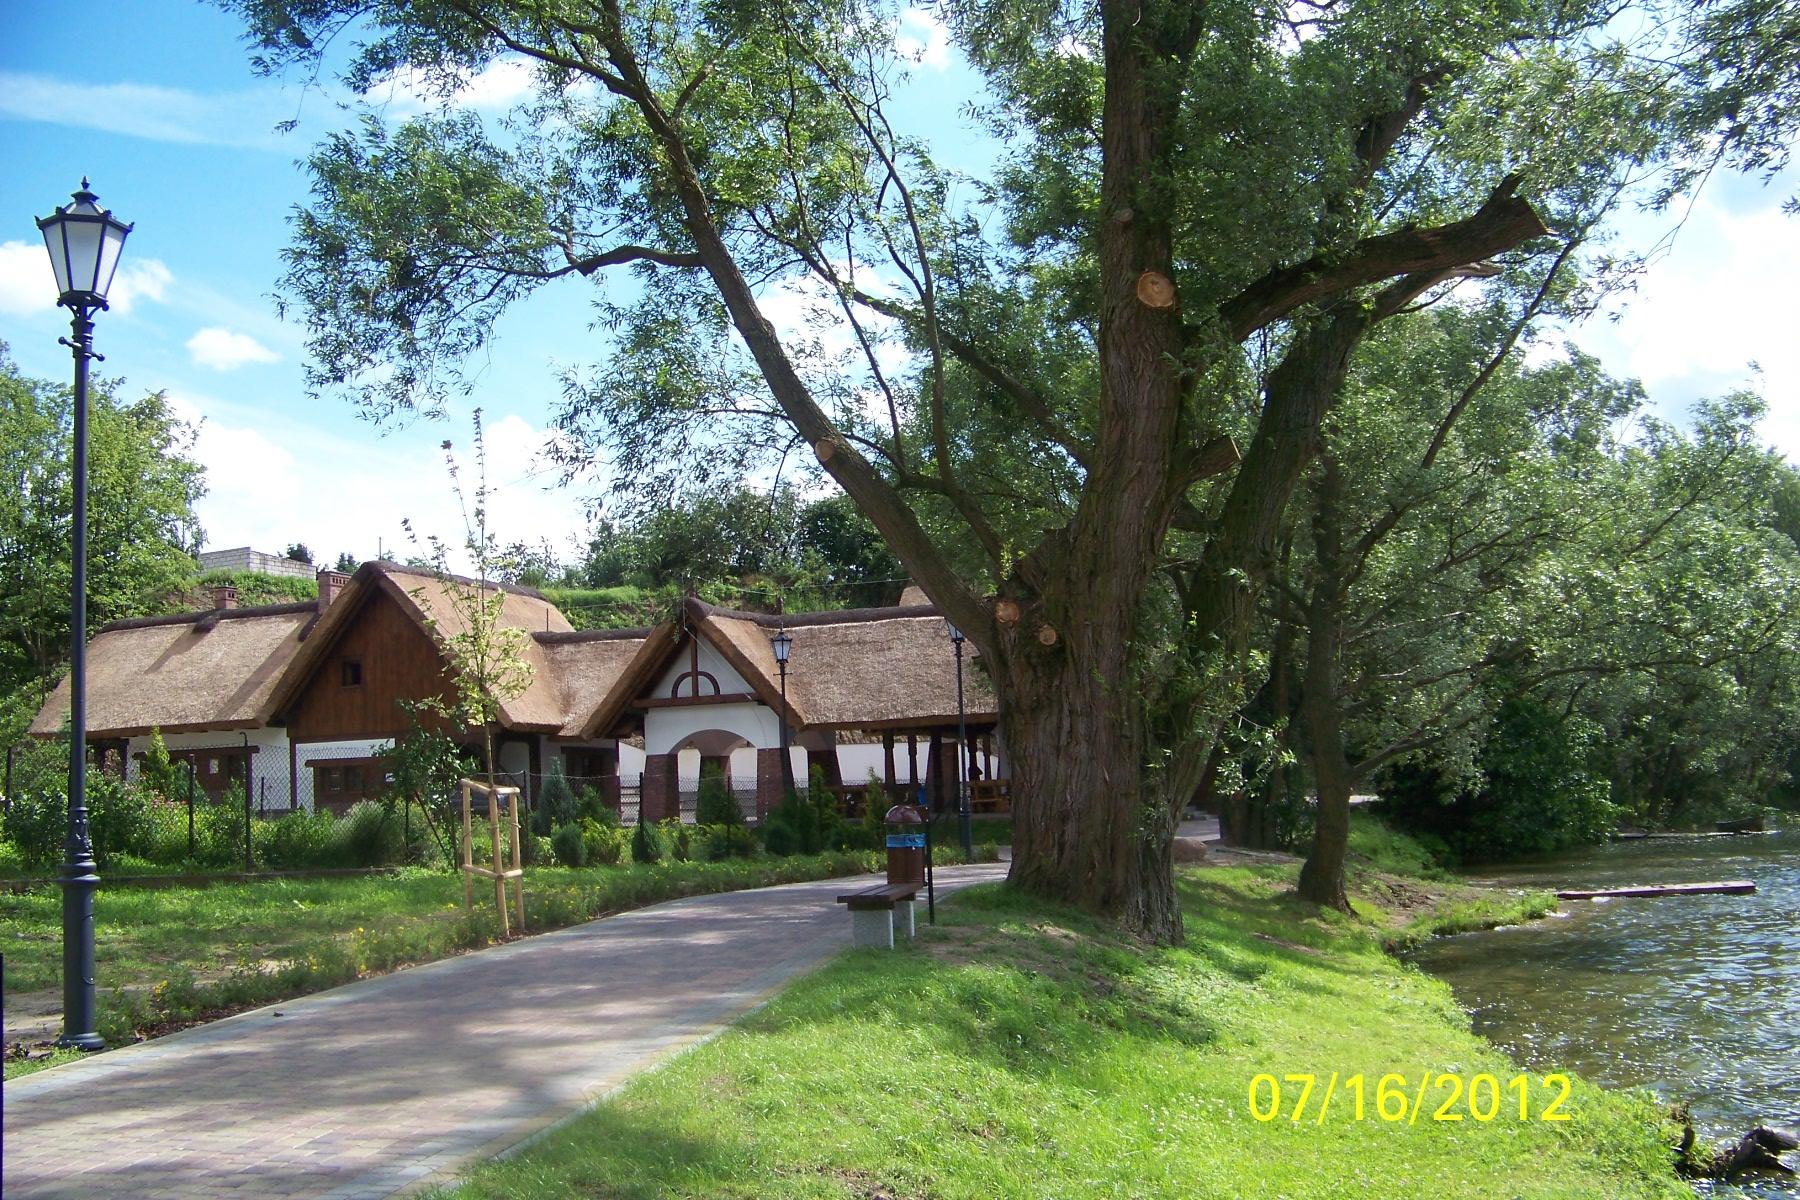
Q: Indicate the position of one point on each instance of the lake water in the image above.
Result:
(1696, 997)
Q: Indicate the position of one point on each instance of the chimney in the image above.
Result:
(224, 596)
(330, 584)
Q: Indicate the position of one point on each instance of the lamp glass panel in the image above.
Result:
(84, 253)
(59, 256)
(112, 244)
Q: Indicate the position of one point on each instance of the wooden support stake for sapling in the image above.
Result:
(499, 865)
(518, 865)
(500, 871)
(468, 860)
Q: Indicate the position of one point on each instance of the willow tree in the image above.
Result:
(1136, 322)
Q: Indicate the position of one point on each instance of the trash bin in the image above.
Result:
(905, 845)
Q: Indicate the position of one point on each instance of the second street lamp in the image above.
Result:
(962, 748)
(84, 242)
(783, 644)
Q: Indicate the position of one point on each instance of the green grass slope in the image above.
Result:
(1024, 1051)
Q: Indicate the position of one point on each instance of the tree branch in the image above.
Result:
(1503, 222)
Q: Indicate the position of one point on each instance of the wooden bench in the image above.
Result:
(876, 912)
(990, 796)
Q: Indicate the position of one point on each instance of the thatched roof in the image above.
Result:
(586, 666)
(213, 670)
(857, 669)
(429, 601)
(237, 668)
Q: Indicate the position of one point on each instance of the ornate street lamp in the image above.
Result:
(84, 242)
(783, 644)
(962, 747)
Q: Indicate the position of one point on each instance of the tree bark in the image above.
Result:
(1322, 876)
(1084, 832)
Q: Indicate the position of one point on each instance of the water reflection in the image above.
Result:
(1696, 997)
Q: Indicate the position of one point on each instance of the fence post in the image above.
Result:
(249, 857)
(190, 767)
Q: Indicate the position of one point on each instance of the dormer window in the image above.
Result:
(350, 673)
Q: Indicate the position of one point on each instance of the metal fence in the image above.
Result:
(687, 790)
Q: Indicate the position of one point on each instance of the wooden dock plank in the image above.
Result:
(1728, 887)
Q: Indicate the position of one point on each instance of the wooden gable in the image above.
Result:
(695, 672)
(379, 657)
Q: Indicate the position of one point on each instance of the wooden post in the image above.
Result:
(518, 866)
(499, 866)
(501, 870)
(887, 757)
(468, 862)
(912, 764)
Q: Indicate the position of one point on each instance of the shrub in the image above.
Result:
(369, 835)
(1536, 792)
(678, 839)
(805, 823)
(158, 773)
(219, 829)
(569, 845)
(647, 843)
(118, 818)
(605, 843)
(300, 840)
(555, 802)
(36, 825)
(716, 803)
(726, 841)
(591, 805)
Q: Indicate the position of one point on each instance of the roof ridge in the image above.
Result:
(841, 616)
(561, 637)
(213, 614)
(385, 566)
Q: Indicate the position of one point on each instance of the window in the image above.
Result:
(333, 779)
(350, 673)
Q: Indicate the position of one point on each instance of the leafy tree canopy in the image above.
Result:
(142, 533)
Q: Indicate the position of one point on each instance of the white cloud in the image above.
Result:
(145, 279)
(923, 38)
(27, 285)
(225, 350)
(163, 114)
(274, 479)
(496, 86)
(1072, 47)
(1718, 302)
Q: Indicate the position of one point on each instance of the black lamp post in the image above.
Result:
(962, 747)
(84, 242)
(783, 643)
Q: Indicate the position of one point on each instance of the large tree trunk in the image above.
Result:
(1084, 830)
(1322, 876)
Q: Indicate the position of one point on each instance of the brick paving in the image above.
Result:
(392, 1085)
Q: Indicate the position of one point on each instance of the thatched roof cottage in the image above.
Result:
(299, 702)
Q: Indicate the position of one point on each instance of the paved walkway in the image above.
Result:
(394, 1084)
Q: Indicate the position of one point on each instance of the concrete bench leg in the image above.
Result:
(903, 919)
(872, 927)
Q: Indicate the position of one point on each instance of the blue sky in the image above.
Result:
(156, 102)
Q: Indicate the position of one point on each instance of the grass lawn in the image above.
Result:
(172, 956)
(1021, 1050)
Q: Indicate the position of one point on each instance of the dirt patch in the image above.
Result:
(1287, 945)
(1401, 900)
(861, 1184)
(1218, 855)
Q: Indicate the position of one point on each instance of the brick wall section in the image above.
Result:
(768, 782)
(660, 799)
